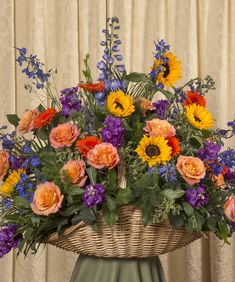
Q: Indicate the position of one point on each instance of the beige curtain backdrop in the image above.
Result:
(201, 33)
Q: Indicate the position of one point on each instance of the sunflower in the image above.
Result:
(199, 116)
(120, 104)
(154, 150)
(87, 143)
(192, 97)
(8, 186)
(171, 70)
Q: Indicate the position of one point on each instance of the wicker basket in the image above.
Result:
(127, 238)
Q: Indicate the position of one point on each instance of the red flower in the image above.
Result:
(96, 87)
(44, 118)
(194, 98)
(174, 143)
(87, 143)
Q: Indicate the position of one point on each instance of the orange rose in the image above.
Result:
(75, 171)
(4, 163)
(229, 208)
(27, 120)
(63, 135)
(156, 127)
(103, 155)
(192, 169)
(44, 118)
(219, 180)
(47, 199)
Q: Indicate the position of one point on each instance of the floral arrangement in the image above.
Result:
(98, 146)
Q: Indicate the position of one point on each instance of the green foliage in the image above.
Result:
(135, 77)
(13, 119)
(92, 173)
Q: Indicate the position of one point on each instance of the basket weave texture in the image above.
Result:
(127, 238)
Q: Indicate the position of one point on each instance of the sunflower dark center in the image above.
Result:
(197, 119)
(166, 71)
(152, 151)
(119, 106)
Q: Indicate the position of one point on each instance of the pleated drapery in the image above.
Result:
(201, 34)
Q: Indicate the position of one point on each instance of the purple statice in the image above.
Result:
(168, 173)
(196, 197)
(209, 151)
(229, 176)
(161, 107)
(70, 101)
(93, 195)
(113, 132)
(8, 239)
(33, 68)
(18, 162)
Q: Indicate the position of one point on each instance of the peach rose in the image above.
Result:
(219, 180)
(47, 199)
(192, 169)
(156, 127)
(75, 171)
(229, 208)
(4, 163)
(63, 135)
(26, 122)
(103, 155)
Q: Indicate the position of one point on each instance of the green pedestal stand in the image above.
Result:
(94, 269)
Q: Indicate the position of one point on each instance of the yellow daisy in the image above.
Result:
(199, 116)
(8, 186)
(171, 72)
(154, 150)
(120, 104)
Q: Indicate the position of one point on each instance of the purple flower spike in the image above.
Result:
(113, 132)
(196, 197)
(94, 195)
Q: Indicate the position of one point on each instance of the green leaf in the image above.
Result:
(145, 181)
(196, 142)
(110, 216)
(135, 77)
(61, 223)
(223, 232)
(42, 133)
(146, 214)
(167, 94)
(188, 209)
(71, 210)
(171, 194)
(21, 202)
(13, 119)
(88, 215)
(76, 219)
(111, 203)
(197, 221)
(35, 220)
(92, 173)
(124, 196)
(112, 179)
(41, 108)
(176, 220)
(126, 125)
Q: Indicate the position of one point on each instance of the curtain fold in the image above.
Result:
(201, 34)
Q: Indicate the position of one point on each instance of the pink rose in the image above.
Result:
(103, 155)
(4, 163)
(192, 169)
(156, 127)
(63, 135)
(26, 122)
(229, 208)
(47, 199)
(75, 171)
